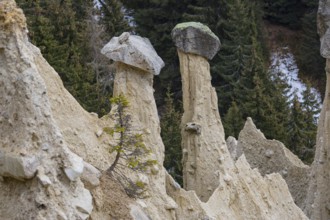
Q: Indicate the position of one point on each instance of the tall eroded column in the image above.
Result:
(136, 64)
(205, 155)
(318, 200)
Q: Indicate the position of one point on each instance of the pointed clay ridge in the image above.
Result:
(323, 25)
(317, 205)
(32, 147)
(271, 156)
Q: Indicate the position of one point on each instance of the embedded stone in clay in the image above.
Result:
(75, 166)
(91, 175)
(193, 127)
(18, 167)
(84, 204)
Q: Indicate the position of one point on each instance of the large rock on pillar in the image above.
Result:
(205, 155)
(237, 191)
(134, 51)
(317, 205)
(136, 64)
(196, 38)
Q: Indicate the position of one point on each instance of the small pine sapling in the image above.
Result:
(130, 150)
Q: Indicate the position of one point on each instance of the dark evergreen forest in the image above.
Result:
(70, 34)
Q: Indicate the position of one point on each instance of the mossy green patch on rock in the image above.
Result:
(196, 25)
(196, 38)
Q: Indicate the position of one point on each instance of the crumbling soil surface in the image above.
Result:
(112, 201)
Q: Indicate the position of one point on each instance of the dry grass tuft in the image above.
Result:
(10, 15)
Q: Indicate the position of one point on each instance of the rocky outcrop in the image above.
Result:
(81, 132)
(271, 156)
(317, 205)
(215, 186)
(51, 149)
(134, 79)
(35, 143)
(245, 195)
(40, 175)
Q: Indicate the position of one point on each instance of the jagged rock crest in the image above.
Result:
(271, 156)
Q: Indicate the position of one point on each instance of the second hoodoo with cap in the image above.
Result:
(206, 159)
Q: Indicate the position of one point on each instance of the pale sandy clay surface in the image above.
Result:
(317, 205)
(53, 154)
(271, 156)
(39, 174)
(242, 192)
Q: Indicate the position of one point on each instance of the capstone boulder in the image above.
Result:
(196, 38)
(134, 51)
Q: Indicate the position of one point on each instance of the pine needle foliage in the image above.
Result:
(296, 127)
(171, 136)
(310, 62)
(68, 33)
(233, 121)
(131, 152)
